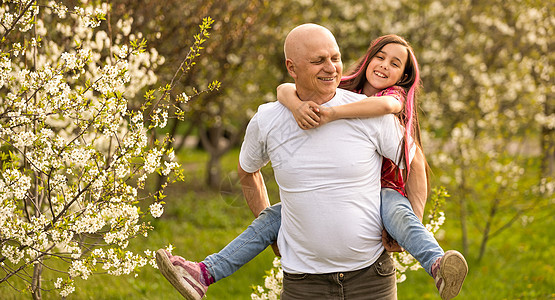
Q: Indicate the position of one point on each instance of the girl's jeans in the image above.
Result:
(397, 215)
(262, 232)
(404, 226)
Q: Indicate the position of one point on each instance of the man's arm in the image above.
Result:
(417, 186)
(254, 190)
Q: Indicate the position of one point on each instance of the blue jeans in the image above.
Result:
(404, 226)
(258, 236)
(397, 215)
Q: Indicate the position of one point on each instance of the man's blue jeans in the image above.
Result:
(397, 215)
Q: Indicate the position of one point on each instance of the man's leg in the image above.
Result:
(377, 281)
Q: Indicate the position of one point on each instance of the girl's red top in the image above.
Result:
(392, 176)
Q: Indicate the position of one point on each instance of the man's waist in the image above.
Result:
(345, 268)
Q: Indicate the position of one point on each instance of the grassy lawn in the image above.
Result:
(198, 222)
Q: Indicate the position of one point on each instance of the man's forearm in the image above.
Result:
(417, 186)
(254, 190)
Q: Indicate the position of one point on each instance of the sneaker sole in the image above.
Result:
(172, 275)
(453, 269)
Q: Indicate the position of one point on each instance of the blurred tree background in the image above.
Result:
(487, 101)
(487, 104)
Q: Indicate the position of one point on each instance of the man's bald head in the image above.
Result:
(313, 59)
(300, 36)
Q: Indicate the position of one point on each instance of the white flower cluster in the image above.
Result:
(170, 164)
(156, 209)
(113, 77)
(119, 262)
(12, 253)
(121, 231)
(59, 9)
(71, 149)
(91, 17)
(434, 224)
(160, 117)
(25, 22)
(273, 284)
(14, 185)
(5, 70)
(79, 269)
(66, 287)
(152, 161)
(544, 120)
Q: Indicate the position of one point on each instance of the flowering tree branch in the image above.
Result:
(74, 159)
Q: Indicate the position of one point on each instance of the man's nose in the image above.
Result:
(329, 66)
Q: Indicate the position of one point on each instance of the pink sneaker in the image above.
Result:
(184, 275)
(449, 273)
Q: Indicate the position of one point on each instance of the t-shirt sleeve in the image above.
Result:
(253, 155)
(395, 92)
(390, 138)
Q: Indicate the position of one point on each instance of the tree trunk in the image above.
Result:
(212, 141)
(36, 283)
(548, 153)
(463, 216)
(487, 229)
(214, 170)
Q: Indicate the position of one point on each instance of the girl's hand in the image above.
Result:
(389, 243)
(306, 115)
(327, 114)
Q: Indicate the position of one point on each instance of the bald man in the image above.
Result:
(329, 180)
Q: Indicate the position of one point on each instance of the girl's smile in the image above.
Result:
(386, 68)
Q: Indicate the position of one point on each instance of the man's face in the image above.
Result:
(317, 68)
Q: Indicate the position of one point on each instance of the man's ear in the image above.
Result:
(290, 68)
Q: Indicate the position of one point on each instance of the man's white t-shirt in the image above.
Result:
(329, 181)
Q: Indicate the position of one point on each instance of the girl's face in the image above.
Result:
(386, 68)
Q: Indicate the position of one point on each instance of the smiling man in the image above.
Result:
(314, 61)
(329, 180)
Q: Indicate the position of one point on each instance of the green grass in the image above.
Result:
(518, 265)
(199, 222)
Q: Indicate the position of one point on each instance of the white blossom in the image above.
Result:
(156, 209)
(79, 269)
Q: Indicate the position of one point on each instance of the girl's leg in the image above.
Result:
(192, 279)
(258, 236)
(404, 226)
(448, 269)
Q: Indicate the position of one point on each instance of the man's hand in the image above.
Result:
(276, 249)
(389, 243)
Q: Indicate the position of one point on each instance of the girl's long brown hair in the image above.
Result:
(410, 82)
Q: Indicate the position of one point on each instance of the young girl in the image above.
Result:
(385, 73)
